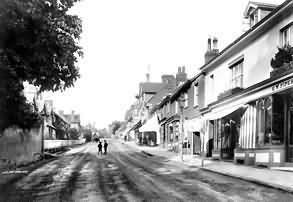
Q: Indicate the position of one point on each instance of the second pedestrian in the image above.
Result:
(105, 147)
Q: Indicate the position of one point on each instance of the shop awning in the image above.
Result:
(151, 125)
(222, 112)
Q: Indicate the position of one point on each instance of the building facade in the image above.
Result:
(247, 109)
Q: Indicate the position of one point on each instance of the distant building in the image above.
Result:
(73, 119)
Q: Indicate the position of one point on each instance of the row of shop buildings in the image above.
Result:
(239, 106)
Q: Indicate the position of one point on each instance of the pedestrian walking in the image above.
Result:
(100, 148)
(105, 147)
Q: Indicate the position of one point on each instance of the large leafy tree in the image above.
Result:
(38, 44)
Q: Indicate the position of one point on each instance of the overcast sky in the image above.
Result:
(122, 37)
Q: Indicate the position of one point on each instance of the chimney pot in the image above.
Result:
(215, 43)
(209, 44)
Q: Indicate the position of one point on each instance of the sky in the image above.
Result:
(121, 39)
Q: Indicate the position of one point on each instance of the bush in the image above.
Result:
(87, 135)
(284, 55)
(73, 134)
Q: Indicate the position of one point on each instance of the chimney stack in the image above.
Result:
(212, 52)
(181, 76)
(147, 77)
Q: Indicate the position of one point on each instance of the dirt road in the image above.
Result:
(129, 175)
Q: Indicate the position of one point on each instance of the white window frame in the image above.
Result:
(186, 100)
(237, 73)
(176, 107)
(211, 86)
(288, 31)
(168, 107)
(195, 94)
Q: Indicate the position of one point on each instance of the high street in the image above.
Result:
(125, 174)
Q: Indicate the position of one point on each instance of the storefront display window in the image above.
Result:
(278, 120)
(270, 121)
(264, 121)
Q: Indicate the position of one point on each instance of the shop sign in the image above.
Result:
(283, 85)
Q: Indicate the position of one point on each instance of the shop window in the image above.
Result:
(217, 133)
(264, 121)
(278, 120)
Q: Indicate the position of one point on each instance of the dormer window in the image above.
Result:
(256, 11)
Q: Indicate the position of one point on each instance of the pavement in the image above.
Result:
(277, 179)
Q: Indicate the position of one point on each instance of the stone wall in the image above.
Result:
(19, 147)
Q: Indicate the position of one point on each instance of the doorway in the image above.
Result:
(196, 143)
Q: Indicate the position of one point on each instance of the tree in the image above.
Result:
(87, 134)
(114, 126)
(73, 133)
(38, 44)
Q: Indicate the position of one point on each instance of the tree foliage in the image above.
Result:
(114, 126)
(38, 44)
(87, 134)
(73, 133)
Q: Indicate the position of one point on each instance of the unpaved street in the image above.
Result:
(129, 175)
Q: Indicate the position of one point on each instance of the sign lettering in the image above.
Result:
(282, 85)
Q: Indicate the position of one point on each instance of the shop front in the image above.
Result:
(172, 133)
(193, 128)
(255, 127)
(225, 132)
(150, 134)
(266, 127)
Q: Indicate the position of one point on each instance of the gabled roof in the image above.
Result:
(155, 99)
(72, 118)
(254, 4)
(248, 33)
(150, 87)
(61, 118)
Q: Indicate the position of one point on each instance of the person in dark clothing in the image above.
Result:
(100, 148)
(105, 147)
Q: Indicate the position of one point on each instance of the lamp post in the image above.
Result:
(182, 105)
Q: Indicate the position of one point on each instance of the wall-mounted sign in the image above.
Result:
(283, 85)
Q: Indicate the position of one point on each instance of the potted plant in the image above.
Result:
(283, 61)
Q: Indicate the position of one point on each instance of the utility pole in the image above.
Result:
(182, 134)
